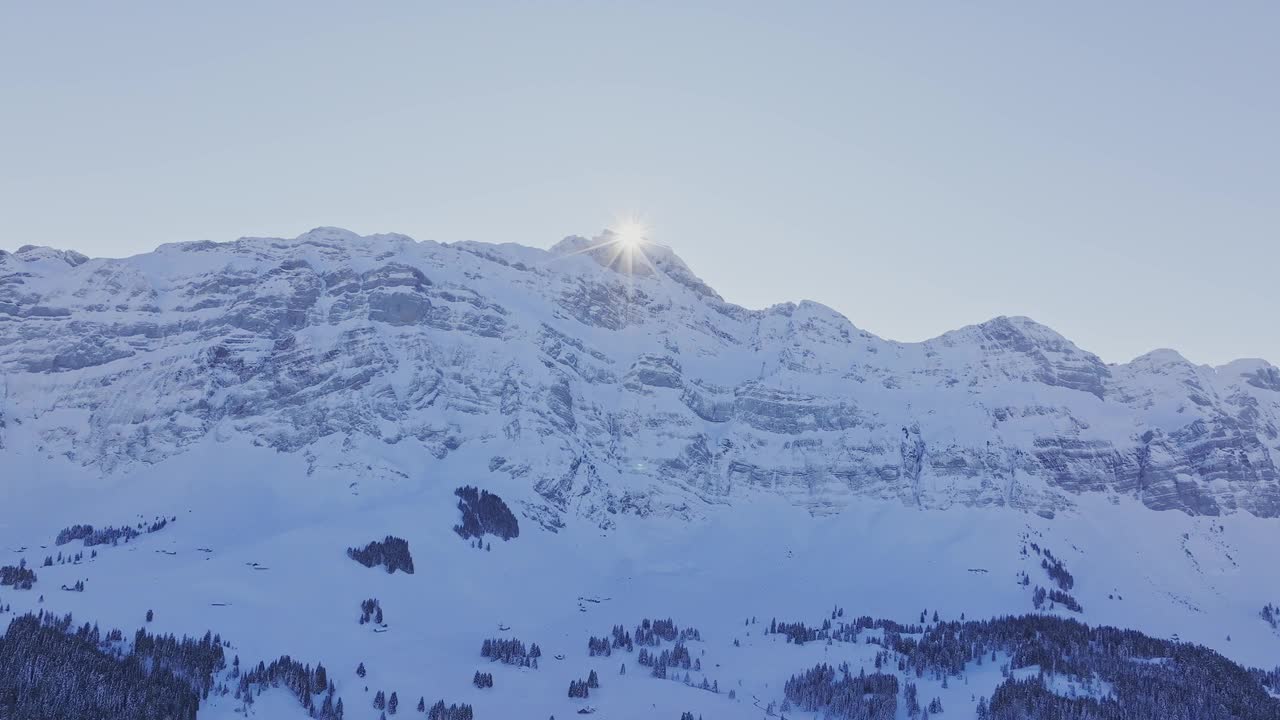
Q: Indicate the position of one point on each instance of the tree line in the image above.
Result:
(110, 535)
(52, 671)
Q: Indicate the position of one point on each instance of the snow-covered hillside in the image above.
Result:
(257, 554)
(668, 455)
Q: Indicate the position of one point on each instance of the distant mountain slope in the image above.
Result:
(607, 386)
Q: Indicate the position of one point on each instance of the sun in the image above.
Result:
(624, 247)
(631, 235)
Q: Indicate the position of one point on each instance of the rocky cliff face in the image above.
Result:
(608, 386)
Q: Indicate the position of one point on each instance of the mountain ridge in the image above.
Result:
(575, 371)
(75, 258)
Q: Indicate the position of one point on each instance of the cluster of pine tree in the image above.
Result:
(602, 645)
(910, 696)
(195, 661)
(371, 610)
(75, 559)
(1030, 698)
(583, 688)
(20, 576)
(649, 632)
(1268, 678)
(393, 552)
(391, 704)
(1057, 571)
(511, 652)
(653, 632)
(1054, 598)
(1271, 614)
(924, 616)
(76, 673)
(483, 512)
(75, 532)
(798, 633)
(51, 671)
(305, 683)
(1190, 681)
(440, 711)
(677, 656)
(482, 680)
(840, 695)
(110, 535)
(842, 631)
(1061, 598)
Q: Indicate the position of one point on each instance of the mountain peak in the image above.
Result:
(639, 257)
(1015, 333)
(1255, 371)
(37, 253)
(326, 233)
(1161, 357)
(1024, 326)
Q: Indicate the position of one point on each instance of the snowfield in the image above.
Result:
(763, 557)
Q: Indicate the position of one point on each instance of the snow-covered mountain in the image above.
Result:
(665, 454)
(608, 384)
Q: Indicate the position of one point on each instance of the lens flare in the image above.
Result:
(623, 248)
(630, 234)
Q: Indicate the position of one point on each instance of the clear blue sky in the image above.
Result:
(1110, 169)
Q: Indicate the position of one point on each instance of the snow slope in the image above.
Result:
(1202, 579)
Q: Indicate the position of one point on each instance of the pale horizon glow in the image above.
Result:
(1112, 172)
